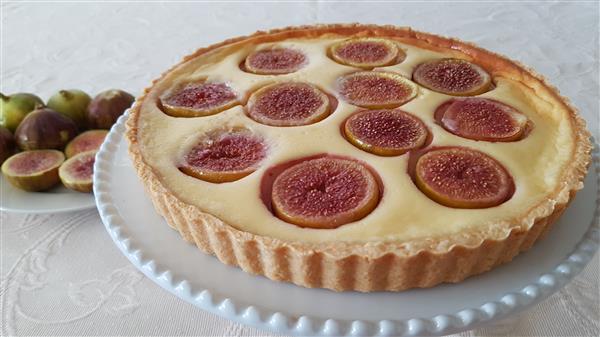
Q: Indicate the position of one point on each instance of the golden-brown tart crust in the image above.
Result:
(373, 266)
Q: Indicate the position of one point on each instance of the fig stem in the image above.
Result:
(4, 97)
(112, 93)
(66, 94)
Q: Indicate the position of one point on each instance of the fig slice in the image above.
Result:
(325, 193)
(199, 99)
(366, 53)
(33, 171)
(275, 61)
(385, 132)
(224, 156)
(87, 141)
(482, 119)
(460, 177)
(453, 77)
(288, 104)
(376, 90)
(76, 172)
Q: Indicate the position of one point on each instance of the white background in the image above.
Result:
(61, 274)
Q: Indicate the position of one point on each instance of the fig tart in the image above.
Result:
(357, 157)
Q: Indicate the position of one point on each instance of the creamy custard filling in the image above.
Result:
(404, 212)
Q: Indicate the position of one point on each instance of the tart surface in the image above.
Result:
(231, 220)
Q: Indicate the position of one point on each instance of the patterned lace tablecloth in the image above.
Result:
(62, 275)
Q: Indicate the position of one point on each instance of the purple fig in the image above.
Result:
(45, 128)
(106, 107)
(7, 144)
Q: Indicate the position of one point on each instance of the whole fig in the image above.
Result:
(71, 103)
(15, 107)
(45, 128)
(106, 107)
(7, 144)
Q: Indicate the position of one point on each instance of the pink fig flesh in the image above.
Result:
(325, 193)
(275, 61)
(76, 172)
(33, 171)
(224, 156)
(460, 177)
(366, 52)
(376, 90)
(288, 104)
(199, 99)
(483, 119)
(86, 141)
(385, 132)
(453, 77)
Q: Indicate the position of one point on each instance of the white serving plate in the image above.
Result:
(180, 268)
(58, 199)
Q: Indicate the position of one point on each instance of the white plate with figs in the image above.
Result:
(56, 200)
(46, 153)
(180, 268)
(44, 181)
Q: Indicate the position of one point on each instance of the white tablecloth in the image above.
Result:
(62, 275)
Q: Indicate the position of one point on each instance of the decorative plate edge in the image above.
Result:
(442, 324)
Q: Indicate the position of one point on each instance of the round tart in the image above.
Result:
(357, 157)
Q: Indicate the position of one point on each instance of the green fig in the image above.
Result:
(7, 144)
(106, 107)
(15, 107)
(45, 128)
(71, 103)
